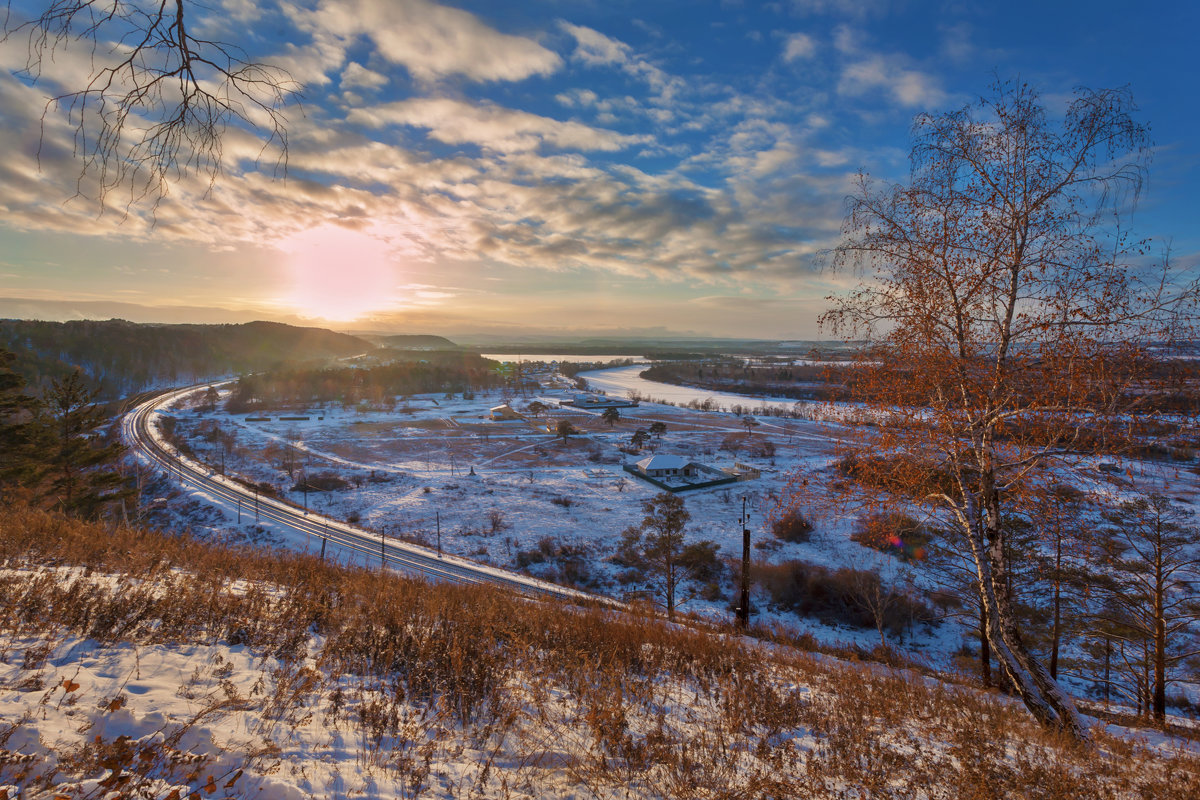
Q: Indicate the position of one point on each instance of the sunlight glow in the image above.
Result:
(338, 274)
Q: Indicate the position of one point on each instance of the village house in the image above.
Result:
(503, 412)
(663, 466)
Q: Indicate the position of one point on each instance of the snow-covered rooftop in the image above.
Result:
(662, 462)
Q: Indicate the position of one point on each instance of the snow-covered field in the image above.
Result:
(438, 471)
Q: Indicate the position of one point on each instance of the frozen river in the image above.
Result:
(619, 381)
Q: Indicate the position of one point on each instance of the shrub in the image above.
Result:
(893, 533)
(321, 482)
(792, 526)
(834, 596)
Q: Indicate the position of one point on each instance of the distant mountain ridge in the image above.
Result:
(123, 358)
(413, 341)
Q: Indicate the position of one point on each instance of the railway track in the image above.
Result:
(137, 427)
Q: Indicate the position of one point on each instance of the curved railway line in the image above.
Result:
(138, 431)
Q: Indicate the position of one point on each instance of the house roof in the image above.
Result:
(662, 462)
(504, 407)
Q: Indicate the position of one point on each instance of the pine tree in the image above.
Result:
(15, 417)
(77, 469)
(657, 549)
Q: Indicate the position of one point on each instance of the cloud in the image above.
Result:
(799, 46)
(595, 49)
(856, 9)
(910, 88)
(356, 76)
(433, 41)
(491, 126)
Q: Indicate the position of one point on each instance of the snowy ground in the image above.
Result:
(435, 469)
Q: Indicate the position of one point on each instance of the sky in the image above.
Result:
(557, 168)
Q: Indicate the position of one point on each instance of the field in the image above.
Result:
(437, 470)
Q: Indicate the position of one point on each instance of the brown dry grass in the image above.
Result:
(612, 704)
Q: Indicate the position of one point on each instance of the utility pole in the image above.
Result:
(382, 554)
(256, 504)
(304, 484)
(239, 509)
(743, 612)
(437, 515)
(324, 536)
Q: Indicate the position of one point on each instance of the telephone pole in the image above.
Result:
(743, 611)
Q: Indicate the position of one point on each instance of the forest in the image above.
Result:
(119, 358)
(414, 373)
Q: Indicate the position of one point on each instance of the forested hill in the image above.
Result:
(413, 342)
(121, 358)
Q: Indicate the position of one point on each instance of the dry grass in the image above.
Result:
(610, 704)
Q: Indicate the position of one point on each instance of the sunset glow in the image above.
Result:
(338, 274)
(615, 169)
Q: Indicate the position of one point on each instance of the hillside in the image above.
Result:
(414, 341)
(160, 666)
(123, 358)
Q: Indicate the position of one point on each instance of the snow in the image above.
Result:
(532, 492)
(662, 462)
(531, 488)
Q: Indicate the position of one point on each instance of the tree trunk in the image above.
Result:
(985, 649)
(1107, 671)
(1055, 634)
(1160, 652)
(1048, 703)
(671, 590)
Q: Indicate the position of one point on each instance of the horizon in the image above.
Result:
(467, 170)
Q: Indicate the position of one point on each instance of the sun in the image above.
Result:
(338, 274)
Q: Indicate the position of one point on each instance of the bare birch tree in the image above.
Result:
(1013, 326)
(159, 97)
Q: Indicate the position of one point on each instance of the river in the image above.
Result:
(619, 381)
(548, 357)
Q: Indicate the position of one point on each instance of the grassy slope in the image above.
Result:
(571, 698)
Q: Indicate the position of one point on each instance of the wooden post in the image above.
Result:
(743, 611)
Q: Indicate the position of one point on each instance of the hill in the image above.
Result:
(413, 342)
(159, 666)
(122, 358)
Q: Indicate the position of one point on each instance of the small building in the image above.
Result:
(503, 412)
(591, 401)
(665, 466)
(677, 474)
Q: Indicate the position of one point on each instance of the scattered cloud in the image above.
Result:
(434, 41)
(799, 47)
(491, 126)
(855, 9)
(595, 49)
(356, 76)
(905, 86)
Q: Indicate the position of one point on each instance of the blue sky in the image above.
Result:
(563, 167)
